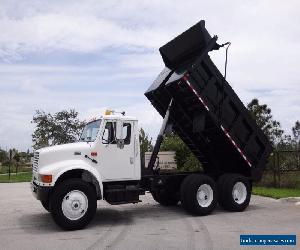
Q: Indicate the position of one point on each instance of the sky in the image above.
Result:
(94, 55)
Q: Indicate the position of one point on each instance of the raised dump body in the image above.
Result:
(206, 113)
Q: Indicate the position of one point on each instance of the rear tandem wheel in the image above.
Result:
(199, 194)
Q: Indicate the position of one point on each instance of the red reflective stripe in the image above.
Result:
(237, 147)
(226, 133)
(195, 92)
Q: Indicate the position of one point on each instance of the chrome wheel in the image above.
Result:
(239, 192)
(74, 205)
(205, 195)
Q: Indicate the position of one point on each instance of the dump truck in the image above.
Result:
(196, 103)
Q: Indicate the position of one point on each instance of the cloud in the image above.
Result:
(92, 55)
(43, 33)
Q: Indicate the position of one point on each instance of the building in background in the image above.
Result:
(166, 160)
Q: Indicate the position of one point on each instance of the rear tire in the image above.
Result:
(184, 183)
(234, 192)
(199, 194)
(165, 198)
(73, 204)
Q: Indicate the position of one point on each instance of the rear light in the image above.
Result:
(46, 178)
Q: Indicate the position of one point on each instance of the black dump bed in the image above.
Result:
(206, 113)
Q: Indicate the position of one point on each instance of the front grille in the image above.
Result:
(35, 163)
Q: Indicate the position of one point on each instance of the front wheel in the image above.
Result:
(73, 204)
(46, 204)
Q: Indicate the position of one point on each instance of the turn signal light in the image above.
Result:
(46, 178)
(93, 153)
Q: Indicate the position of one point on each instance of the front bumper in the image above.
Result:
(39, 192)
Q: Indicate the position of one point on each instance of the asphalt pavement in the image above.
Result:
(24, 224)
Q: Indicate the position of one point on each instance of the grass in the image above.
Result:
(276, 193)
(22, 177)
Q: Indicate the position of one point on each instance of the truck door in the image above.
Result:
(116, 158)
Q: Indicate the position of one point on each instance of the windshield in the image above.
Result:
(90, 131)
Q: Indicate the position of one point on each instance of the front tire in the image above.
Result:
(199, 194)
(234, 192)
(46, 205)
(73, 204)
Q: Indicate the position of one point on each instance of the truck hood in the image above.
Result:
(59, 153)
(65, 147)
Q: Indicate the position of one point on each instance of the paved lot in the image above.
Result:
(24, 224)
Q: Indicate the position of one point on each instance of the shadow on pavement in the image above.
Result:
(110, 216)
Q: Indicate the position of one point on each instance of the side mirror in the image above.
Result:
(119, 130)
(120, 143)
(88, 134)
(105, 137)
(119, 135)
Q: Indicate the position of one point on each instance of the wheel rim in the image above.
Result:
(205, 195)
(239, 192)
(74, 205)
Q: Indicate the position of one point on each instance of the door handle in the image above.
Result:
(131, 160)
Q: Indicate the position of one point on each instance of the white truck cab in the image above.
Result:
(108, 151)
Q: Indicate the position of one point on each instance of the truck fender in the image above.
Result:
(88, 173)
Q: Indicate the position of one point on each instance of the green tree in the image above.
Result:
(145, 145)
(22, 157)
(17, 157)
(286, 143)
(3, 156)
(59, 128)
(296, 133)
(264, 119)
(185, 159)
